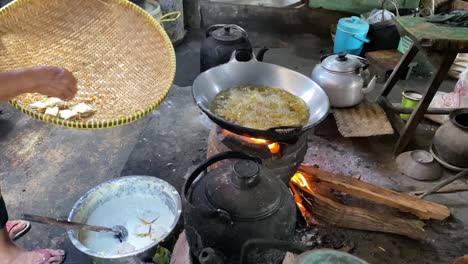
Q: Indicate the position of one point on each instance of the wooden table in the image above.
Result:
(443, 43)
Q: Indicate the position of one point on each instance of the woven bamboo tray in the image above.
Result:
(121, 56)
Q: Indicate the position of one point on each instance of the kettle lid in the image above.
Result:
(243, 191)
(341, 62)
(228, 33)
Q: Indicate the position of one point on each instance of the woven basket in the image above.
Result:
(120, 55)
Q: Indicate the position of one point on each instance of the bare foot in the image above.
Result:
(14, 227)
(43, 256)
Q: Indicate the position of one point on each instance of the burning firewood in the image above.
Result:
(299, 201)
(312, 187)
(328, 211)
(403, 202)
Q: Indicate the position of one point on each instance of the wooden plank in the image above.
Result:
(327, 211)
(386, 59)
(403, 202)
(445, 189)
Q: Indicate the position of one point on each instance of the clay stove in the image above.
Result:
(281, 158)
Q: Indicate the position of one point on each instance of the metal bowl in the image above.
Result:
(419, 165)
(126, 186)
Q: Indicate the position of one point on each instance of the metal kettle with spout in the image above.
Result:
(344, 78)
(236, 202)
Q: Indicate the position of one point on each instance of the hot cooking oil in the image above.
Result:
(260, 107)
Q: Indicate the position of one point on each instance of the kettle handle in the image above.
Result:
(364, 61)
(216, 26)
(187, 191)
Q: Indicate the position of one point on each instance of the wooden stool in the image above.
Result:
(383, 62)
(447, 42)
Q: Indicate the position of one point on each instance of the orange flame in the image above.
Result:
(274, 147)
(301, 181)
(299, 201)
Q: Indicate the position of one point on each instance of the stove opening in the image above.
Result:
(274, 147)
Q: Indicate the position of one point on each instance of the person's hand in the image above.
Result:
(52, 81)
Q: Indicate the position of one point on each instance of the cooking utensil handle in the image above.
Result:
(264, 244)
(285, 130)
(170, 17)
(64, 224)
(364, 61)
(187, 194)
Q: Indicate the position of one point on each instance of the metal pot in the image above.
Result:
(244, 69)
(342, 76)
(126, 186)
(232, 204)
(451, 139)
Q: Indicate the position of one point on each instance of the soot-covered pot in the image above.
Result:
(232, 204)
(451, 139)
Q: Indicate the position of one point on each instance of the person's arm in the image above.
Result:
(51, 81)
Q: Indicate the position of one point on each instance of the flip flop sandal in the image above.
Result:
(46, 256)
(11, 224)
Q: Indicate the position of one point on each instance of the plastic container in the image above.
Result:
(153, 8)
(351, 34)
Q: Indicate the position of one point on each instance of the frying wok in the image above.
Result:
(244, 69)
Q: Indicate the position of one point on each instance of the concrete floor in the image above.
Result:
(45, 169)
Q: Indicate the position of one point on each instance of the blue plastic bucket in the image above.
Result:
(351, 34)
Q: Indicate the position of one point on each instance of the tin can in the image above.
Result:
(410, 99)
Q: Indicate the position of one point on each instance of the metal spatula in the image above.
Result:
(120, 232)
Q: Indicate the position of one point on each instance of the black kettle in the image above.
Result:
(233, 204)
(219, 44)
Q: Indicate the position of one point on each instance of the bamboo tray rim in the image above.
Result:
(104, 123)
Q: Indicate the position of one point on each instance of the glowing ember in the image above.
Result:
(274, 147)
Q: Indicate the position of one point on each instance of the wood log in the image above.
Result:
(445, 189)
(403, 202)
(328, 211)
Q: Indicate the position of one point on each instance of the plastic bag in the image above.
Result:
(376, 16)
(459, 97)
(456, 99)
